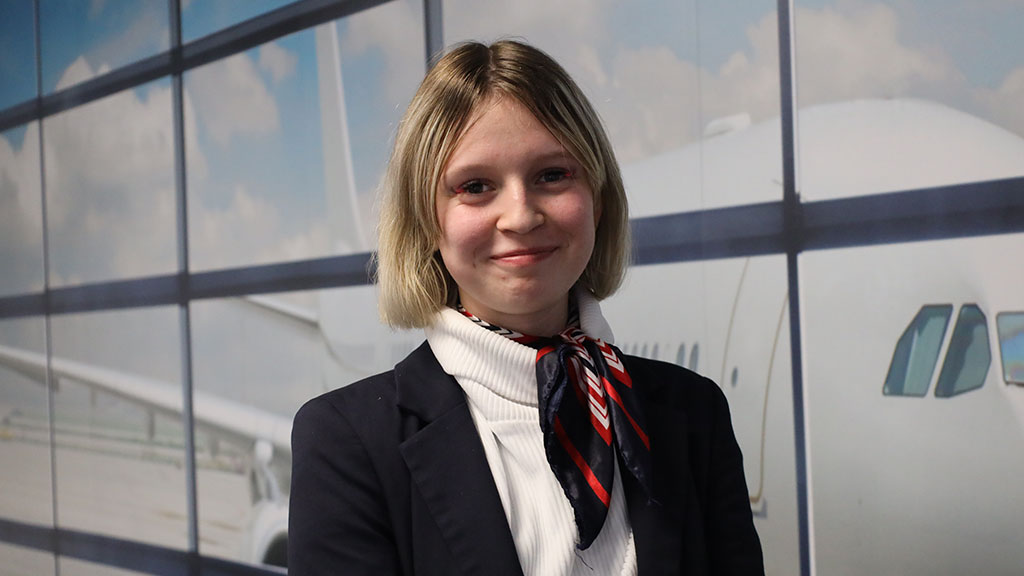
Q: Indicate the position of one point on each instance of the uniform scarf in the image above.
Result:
(583, 429)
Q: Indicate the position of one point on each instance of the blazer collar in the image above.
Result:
(449, 469)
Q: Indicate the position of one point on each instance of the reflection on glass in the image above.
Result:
(688, 90)
(733, 314)
(891, 97)
(82, 39)
(201, 18)
(18, 561)
(1011, 346)
(917, 351)
(256, 360)
(317, 109)
(118, 432)
(110, 187)
(24, 424)
(17, 53)
(883, 466)
(968, 356)
(21, 212)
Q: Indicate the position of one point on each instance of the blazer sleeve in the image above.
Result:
(734, 547)
(338, 520)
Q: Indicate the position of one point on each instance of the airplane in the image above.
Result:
(885, 465)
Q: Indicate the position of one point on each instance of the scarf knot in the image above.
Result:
(588, 413)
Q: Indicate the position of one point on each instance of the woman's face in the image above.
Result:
(517, 219)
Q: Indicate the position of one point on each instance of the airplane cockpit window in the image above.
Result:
(917, 351)
(968, 357)
(1011, 346)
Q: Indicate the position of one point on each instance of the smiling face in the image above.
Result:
(517, 220)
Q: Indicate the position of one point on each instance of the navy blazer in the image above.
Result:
(389, 477)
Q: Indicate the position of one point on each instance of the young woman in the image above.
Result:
(517, 439)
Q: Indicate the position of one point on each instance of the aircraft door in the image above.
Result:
(751, 332)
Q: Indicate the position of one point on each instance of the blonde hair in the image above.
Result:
(414, 283)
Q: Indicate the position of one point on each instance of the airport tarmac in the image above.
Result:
(116, 486)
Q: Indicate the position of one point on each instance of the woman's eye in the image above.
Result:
(555, 175)
(472, 187)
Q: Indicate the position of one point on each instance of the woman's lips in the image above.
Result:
(525, 256)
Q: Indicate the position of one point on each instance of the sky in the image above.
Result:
(658, 73)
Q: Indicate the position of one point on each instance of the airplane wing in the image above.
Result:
(234, 420)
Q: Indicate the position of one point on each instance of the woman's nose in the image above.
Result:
(520, 212)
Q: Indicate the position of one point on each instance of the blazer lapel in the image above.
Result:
(658, 525)
(447, 464)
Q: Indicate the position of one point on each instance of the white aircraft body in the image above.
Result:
(899, 483)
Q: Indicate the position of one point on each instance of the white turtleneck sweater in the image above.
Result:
(499, 378)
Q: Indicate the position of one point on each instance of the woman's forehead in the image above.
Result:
(498, 125)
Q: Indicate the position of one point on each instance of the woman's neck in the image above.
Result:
(546, 321)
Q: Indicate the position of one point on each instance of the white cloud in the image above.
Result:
(641, 120)
(231, 99)
(396, 30)
(21, 241)
(855, 51)
(249, 231)
(110, 183)
(1006, 103)
(278, 61)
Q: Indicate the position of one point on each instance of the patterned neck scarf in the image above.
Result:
(576, 377)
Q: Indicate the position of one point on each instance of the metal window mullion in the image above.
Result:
(433, 31)
(47, 329)
(184, 311)
(793, 232)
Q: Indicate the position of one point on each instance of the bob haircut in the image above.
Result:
(414, 283)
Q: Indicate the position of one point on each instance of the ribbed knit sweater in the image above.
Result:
(499, 378)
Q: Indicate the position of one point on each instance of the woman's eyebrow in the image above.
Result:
(556, 156)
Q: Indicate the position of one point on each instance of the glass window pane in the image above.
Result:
(318, 109)
(1011, 346)
(24, 423)
(741, 138)
(917, 351)
(264, 356)
(200, 18)
(968, 356)
(76, 567)
(119, 435)
(901, 95)
(21, 211)
(884, 467)
(735, 313)
(693, 117)
(17, 52)
(110, 187)
(83, 39)
(18, 561)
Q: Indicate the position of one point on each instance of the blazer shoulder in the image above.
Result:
(366, 407)
(670, 383)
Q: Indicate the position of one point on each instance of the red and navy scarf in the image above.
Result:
(585, 428)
